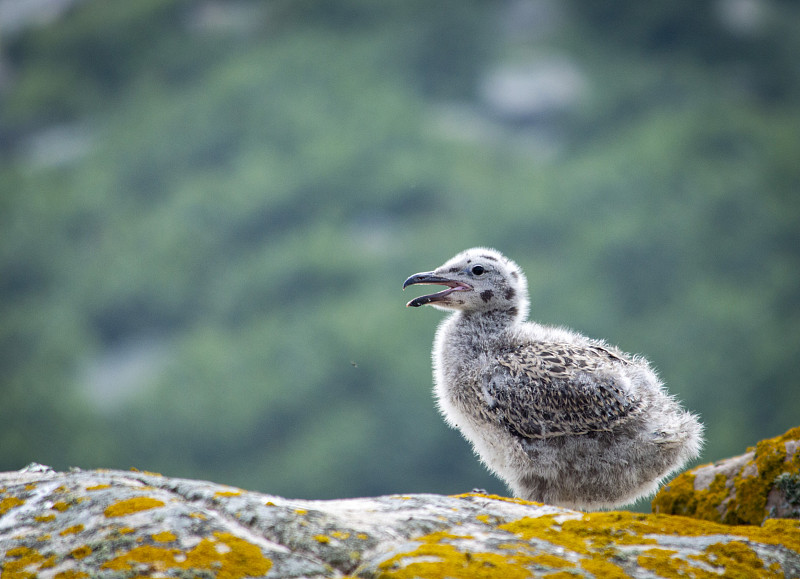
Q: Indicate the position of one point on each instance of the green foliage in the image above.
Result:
(208, 285)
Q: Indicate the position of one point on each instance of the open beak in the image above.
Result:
(430, 278)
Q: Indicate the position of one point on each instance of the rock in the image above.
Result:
(763, 483)
(122, 524)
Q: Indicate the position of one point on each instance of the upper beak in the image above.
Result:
(430, 278)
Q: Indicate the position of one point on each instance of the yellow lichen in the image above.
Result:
(341, 535)
(322, 539)
(134, 505)
(60, 506)
(30, 486)
(9, 503)
(548, 529)
(738, 560)
(595, 535)
(200, 516)
(664, 563)
(165, 537)
(435, 559)
(71, 530)
(45, 537)
(741, 500)
(23, 563)
(71, 574)
(44, 518)
(301, 512)
(81, 552)
(98, 487)
(238, 558)
(227, 494)
(749, 504)
(514, 500)
(600, 567)
(552, 561)
(362, 536)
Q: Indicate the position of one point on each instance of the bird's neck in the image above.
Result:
(479, 330)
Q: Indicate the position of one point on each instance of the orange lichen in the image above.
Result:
(226, 556)
(71, 530)
(134, 505)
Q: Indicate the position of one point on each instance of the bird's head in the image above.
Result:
(477, 280)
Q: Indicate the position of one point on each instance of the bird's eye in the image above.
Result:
(478, 270)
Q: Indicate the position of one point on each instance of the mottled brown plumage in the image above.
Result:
(560, 417)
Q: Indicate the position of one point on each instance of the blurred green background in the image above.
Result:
(207, 210)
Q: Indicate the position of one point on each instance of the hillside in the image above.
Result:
(207, 211)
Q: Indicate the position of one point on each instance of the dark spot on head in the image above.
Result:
(514, 274)
(489, 257)
(486, 295)
(453, 270)
(469, 261)
(510, 293)
(512, 312)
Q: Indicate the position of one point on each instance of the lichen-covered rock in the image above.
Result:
(115, 524)
(761, 484)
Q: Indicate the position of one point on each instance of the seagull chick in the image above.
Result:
(561, 418)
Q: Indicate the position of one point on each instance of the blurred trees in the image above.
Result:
(207, 209)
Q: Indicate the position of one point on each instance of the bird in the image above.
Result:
(561, 418)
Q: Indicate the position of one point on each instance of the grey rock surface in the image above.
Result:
(124, 524)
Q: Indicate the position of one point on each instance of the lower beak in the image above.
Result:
(430, 278)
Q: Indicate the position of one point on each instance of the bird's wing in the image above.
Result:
(540, 391)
